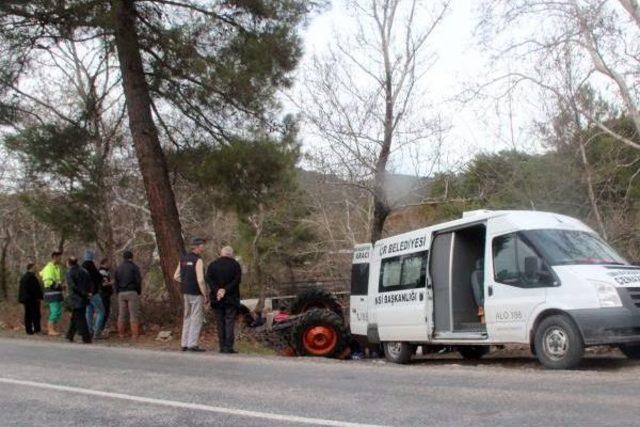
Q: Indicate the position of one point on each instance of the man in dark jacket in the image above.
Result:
(128, 286)
(223, 277)
(29, 295)
(79, 286)
(95, 302)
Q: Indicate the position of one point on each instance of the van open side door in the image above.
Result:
(358, 314)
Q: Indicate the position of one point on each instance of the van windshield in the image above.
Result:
(570, 247)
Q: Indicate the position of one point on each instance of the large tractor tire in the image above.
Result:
(316, 298)
(320, 333)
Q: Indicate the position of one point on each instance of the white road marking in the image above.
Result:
(185, 405)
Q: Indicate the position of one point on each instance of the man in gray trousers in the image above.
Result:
(190, 273)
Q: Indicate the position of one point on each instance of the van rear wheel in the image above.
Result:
(398, 352)
(558, 343)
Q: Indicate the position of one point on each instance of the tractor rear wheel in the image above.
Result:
(315, 298)
(320, 333)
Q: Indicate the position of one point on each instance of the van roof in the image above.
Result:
(517, 219)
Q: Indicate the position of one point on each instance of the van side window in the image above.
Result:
(505, 267)
(516, 263)
(360, 279)
(403, 272)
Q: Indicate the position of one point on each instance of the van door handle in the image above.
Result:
(490, 291)
(362, 299)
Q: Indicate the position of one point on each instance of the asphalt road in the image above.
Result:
(43, 383)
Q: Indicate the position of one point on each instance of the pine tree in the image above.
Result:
(217, 63)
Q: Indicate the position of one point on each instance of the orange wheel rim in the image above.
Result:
(319, 340)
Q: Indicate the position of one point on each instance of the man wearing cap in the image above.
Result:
(190, 274)
(223, 277)
(128, 286)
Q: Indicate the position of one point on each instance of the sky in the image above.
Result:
(478, 126)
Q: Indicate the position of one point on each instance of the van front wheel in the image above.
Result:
(398, 352)
(558, 343)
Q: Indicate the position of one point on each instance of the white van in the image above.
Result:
(493, 278)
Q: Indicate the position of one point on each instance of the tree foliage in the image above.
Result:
(61, 178)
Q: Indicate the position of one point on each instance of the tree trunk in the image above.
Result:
(380, 214)
(591, 192)
(4, 280)
(61, 243)
(153, 166)
(256, 267)
(381, 208)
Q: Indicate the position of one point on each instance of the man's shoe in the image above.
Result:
(51, 330)
(232, 351)
(184, 348)
(197, 349)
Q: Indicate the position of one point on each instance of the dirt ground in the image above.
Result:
(11, 326)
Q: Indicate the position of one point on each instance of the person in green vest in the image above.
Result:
(52, 280)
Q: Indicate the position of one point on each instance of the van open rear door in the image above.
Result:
(358, 316)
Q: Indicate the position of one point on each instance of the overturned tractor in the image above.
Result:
(313, 324)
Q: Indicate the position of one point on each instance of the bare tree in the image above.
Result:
(584, 59)
(601, 36)
(361, 99)
(76, 86)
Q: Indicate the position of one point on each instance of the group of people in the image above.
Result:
(86, 291)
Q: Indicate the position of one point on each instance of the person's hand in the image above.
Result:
(207, 301)
(220, 294)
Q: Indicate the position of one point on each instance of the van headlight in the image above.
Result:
(608, 295)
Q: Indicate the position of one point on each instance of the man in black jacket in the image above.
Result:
(95, 302)
(128, 286)
(79, 286)
(29, 295)
(223, 277)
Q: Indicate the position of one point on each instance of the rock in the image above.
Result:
(164, 336)
(3, 325)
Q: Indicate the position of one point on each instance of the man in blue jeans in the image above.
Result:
(96, 306)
